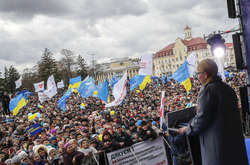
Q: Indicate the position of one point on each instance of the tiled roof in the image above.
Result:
(194, 41)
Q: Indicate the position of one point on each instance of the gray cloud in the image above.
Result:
(112, 28)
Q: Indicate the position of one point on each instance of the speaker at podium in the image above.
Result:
(181, 118)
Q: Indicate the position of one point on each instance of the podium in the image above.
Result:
(180, 118)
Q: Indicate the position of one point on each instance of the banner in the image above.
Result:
(119, 91)
(192, 64)
(42, 97)
(162, 119)
(51, 87)
(147, 153)
(146, 65)
(60, 84)
(33, 130)
(39, 86)
(18, 82)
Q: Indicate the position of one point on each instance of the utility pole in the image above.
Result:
(92, 54)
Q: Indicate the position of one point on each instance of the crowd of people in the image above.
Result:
(87, 130)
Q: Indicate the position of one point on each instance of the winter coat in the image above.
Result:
(218, 125)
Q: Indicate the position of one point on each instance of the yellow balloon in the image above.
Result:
(100, 137)
(112, 112)
(137, 91)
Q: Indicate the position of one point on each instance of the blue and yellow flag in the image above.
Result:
(88, 88)
(75, 82)
(33, 130)
(17, 103)
(182, 76)
(139, 81)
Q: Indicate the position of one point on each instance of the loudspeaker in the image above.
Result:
(244, 99)
(238, 51)
(231, 9)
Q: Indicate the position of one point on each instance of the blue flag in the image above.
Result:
(136, 81)
(33, 130)
(87, 88)
(62, 101)
(113, 81)
(103, 91)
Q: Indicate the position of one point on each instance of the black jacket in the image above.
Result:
(218, 125)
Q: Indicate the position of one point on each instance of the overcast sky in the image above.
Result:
(109, 28)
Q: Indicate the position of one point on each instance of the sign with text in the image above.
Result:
(146, 153)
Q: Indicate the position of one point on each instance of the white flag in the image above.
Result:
(39, 86)
(146, 65)
(162, 119)
(119, 91)
(42, 97)
(192, 64)
(51, 87)
(60, 84)
(19, 82)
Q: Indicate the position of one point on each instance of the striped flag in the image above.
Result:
(162, 119)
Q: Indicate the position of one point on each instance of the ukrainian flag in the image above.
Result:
(17, 103)
(139, 81)
(75, 82)
(182, 76)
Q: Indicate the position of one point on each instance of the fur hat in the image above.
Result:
(41, 146)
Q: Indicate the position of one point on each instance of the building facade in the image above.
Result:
(117, 67)
(168, 59)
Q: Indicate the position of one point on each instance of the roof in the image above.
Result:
(194, 41)
(187, 27)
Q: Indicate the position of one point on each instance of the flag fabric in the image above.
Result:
(136, 81)
(146, 80)
(39, 86)
(31, 117)
(17, 103)
(139, 80)
(87, 88)
(33, 130)
(62, 101)
(119, 91)
(60, 84)
(18, 82)
(192, 64)
(146, 65)
(42, 97)
(51, 90)
(162, 118)
(25, 93)
(75, 82)
(182, 76)
(113, 81)
(103, 91)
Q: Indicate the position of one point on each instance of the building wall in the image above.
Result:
(167, 63)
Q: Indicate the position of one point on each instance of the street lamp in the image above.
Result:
(218, 47)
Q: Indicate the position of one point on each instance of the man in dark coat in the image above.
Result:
(217, 121)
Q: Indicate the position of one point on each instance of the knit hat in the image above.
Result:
(50, 149)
